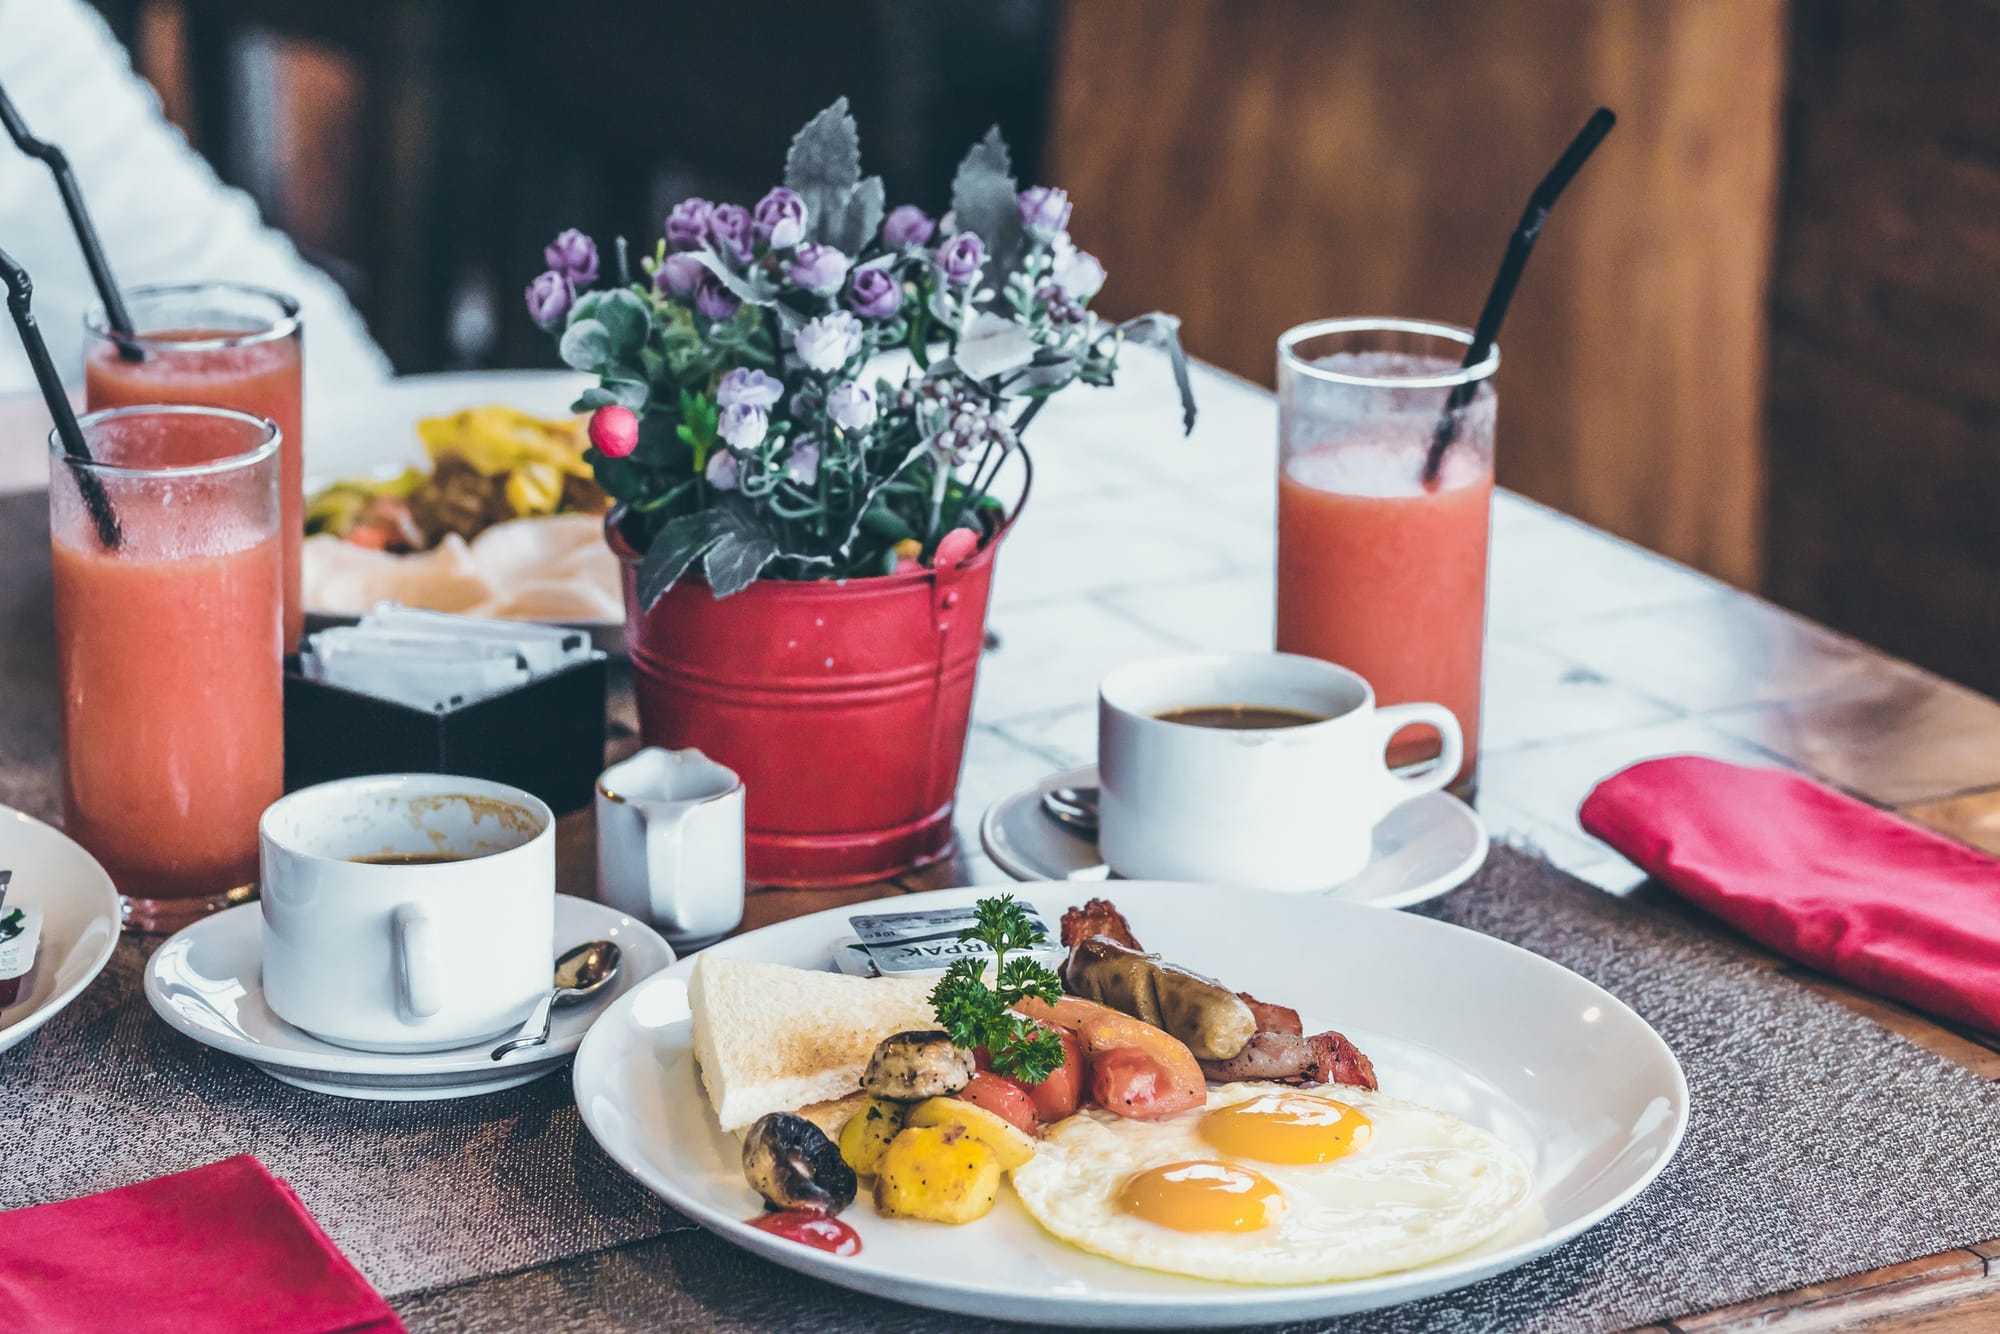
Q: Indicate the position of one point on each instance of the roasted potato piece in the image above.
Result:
(937, 1173)
(1010, 1147)
(865, 1137)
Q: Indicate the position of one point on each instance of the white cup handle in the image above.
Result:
(416, 962)
(1392, 719)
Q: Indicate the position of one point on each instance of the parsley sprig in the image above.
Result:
(976, 1015)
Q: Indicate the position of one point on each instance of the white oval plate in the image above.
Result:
(1460, 1021)
(1424, 847)
(207, 980)
(80, 919)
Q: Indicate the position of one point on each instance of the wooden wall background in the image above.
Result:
(1253, 163)
(1884, 497)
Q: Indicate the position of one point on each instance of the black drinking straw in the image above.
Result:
(79, 221)
(1533, 218)
(20, 289)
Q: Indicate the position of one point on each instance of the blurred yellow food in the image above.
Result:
(488, 465)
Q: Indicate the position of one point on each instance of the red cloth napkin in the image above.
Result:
(1817, 876)
(227, 1248)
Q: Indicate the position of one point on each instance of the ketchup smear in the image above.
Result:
(810, 1229)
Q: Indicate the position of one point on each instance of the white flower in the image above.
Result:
(752, 387)
(1077, 271)
(802, 464)
(828, 342)
(851, 406)
(742, 425)
(722, 471)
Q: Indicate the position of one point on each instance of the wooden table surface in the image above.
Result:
(1137, 543)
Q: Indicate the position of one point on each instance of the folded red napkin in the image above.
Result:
(1817, 876)
(227, 1248)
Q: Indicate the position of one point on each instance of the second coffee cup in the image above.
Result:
(1265, 770)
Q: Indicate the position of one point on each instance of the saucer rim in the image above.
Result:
(1017, 867)
(472, 1060)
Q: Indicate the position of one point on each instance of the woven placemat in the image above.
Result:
(1821, 1144)
(418, 1194)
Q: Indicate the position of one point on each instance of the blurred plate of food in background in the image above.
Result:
(501, 517)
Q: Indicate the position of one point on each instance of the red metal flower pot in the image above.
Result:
(842, 703)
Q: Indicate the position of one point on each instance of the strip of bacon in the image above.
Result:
(1099, 917)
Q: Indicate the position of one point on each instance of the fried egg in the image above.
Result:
(1271, 1184)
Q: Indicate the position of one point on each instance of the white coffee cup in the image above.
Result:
(389, 955)
(670, 843)
(1283, 808)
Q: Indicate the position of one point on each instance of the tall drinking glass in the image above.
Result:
(220, 345)
(167, 646)
(1379, 569)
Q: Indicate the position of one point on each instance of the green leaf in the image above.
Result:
(585, 307)
(1162, 330)
(744, 289)
(852, 225)
(678, 544)
(738, 555)
(823, 167)
(586, 346)
(633, 394)
(983, 200)
(627, 321)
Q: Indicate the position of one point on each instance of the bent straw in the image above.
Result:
(20, 290)
(79, 221)
(1533, 218)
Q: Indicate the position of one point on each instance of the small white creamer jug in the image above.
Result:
(670, 844)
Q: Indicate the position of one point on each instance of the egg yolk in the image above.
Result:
(1287, 1128)
(1203, 1197)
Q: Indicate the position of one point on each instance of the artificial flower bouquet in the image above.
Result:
(822, 388)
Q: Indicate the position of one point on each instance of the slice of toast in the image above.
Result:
(775, 1039)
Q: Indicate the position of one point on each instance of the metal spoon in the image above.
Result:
(1073, 808)
(580, 972)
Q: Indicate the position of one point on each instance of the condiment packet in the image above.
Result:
(543, 647)
(907, 943)
(20, 934)
(424, 673)
(434, 661)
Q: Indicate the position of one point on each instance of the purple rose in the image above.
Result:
(802, 464)
(712, 300)
(573, 255)
(549, 299)
(829, 342)
(780, 219)
(722, 471)
(743, 425)
(687, 225)
(1044, 209)
(874, 294)
(907, 225)
(817, 268)
(747, 386)
(678, 276)
(851, 406)
(730, 231)
(960, 259)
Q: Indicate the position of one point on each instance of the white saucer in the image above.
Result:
(80, 919)
(207, 981)
(1424, 847)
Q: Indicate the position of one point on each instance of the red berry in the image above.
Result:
(955, 548)
(614, 430)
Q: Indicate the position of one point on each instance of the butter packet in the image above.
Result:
(915, 943)
(20, 935)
